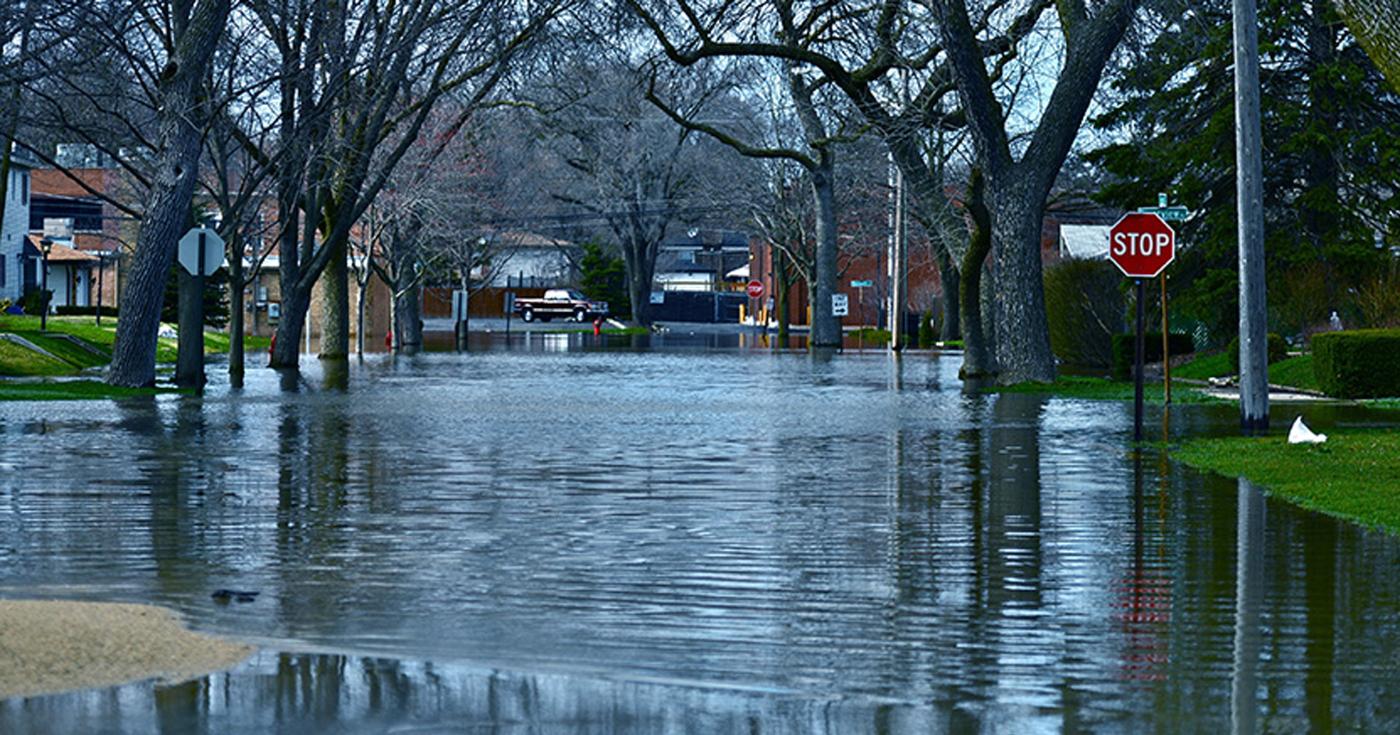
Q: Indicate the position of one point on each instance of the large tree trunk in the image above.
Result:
(978, 360)
(335, 303)
(826, 327)
(167, 210)
(409, 328)
(640, 272)
(1022, 331)
(286, 341)
(952, 290)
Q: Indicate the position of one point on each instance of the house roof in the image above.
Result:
(1084, 241)
(63, 253)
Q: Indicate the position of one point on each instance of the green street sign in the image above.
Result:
(862, 284)
(1170, 214)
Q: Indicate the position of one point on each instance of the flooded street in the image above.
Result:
(691, 536)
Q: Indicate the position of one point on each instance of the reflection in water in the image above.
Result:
(689, 540)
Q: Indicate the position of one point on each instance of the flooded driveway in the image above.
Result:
(691, 537)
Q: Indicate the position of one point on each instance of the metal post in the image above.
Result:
(101, 269)
(44, 292)
(1254, 367)
(1137, 372)
(189, 365)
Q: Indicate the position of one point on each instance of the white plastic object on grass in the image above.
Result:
(1301, 434)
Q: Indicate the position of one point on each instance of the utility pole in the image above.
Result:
(1254, 362)
(898, 266)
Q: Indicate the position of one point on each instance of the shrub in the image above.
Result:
(84, 310)
(926, 334)
(1358, 364)
(35, 301)
(1278, 350)
(1084, 304)
(1125, 349)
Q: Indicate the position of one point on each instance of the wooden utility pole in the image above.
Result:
(1254, 363)
(898, 265)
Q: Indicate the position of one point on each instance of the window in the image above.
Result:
(2, 271)
(24, 188)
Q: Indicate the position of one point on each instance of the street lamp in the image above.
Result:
(45, 246)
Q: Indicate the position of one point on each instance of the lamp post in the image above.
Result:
(45, 247)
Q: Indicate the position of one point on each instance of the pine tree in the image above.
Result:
(1331, 147)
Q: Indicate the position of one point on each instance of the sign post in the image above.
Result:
(1176, 213)
(1142, 245)
(201, 254)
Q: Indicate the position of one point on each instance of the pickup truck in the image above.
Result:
(562, 303)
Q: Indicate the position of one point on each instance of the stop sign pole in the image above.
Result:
(1142, 245)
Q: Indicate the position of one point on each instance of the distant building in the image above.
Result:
(703, 260)
(521, 259)
(14, 260)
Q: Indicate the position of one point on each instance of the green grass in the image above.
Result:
(1383, 403)
(82, 327)
(72, 390)
(626, 330)
(1102, 389)
(1355, 475)
(1294, 372)
(1203, 367)
(869, 334)
(68, 352)
(17, 360)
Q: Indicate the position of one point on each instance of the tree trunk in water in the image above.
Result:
(410, 325)
(952, 290)
(987, 312)
(826, 327)
(235, 318)
(1022, 330)
(640, 270)
(335, 304)
(286, 341)
(977, 358)
(360, 315)
(780, 302)
(167, 207)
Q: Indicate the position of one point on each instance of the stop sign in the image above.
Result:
(1142, 245)
(755, 289)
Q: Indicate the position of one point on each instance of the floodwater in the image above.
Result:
(686, 534)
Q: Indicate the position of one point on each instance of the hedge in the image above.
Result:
(1125, 349)
(84, 310)
(1084, 308)
(1278, 350)
(1364, 363)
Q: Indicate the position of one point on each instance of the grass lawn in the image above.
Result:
(72, 390)
(17, 360)
(870, 334)
(1294, 372)
(82, 327)
(1102, 389)
(1206, 366)
(1355, 475)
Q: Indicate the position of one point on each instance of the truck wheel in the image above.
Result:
(580, 315)
(528, 315)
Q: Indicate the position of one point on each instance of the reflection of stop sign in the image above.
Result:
(755, 289)
(1141, 245)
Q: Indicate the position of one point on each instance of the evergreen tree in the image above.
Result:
(1331, 158)
(603, 277)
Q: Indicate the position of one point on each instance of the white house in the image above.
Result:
(1085, 242)
(528, 259)
(14, 265)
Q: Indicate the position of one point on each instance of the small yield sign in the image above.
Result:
(1142, 245)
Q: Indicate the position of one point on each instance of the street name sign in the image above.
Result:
(862, 284)
(840, 304)
(1142, 245)
(213, 251)
(1170, 214)
(755, 289)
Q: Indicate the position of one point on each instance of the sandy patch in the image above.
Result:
(49, 646)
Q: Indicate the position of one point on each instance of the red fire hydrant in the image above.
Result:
(597, 326)
(389, 340)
